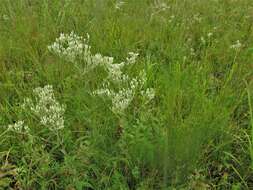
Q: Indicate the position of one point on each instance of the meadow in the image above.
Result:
(126, 94)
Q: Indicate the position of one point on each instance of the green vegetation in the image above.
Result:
(178, 116)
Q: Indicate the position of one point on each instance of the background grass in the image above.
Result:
(195, 134)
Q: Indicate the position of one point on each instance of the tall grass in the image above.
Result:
(196, 133)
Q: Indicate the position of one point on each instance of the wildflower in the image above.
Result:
(114, 71)
(172, 17)
(74, 48)
(132, 57)
(119, 4)
(184, 59)
(5, 17)
(19, 127)
(192, 52)
(128, 88)
(119, 87)
(189, 40)
(210, 34)
(202, 39)
(47, 108)
(120, 100)
(149, 94)
(71, 47)
(160, 5)
(236, 46)
(197, 18)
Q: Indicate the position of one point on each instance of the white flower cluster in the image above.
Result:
(75, 48)
(70, 47)
(197, 18)
(148, 93)
(5, 17)
(115, 69)
(119, 4)
(126, 89)
(120, 100)
(19, 127)
(237, 45)
(47, 108)
(161, 5)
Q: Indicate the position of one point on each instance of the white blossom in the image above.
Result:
(237, 45)
(210, 34)
(160, 5)
(128, 88)
(197, 18)
(149, 93)
(47, 108)
(74, 48)
(132, 57)
(19, 127)
(119, 87)
(71, 47)
(119, 4)
(5, 17)
(202, 39)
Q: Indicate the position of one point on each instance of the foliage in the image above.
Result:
(82, 111)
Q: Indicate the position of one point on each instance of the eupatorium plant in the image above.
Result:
(49, 111)
(118, 85)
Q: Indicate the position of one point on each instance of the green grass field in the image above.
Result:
(126, 94)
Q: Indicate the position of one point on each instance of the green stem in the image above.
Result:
(251, 121)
